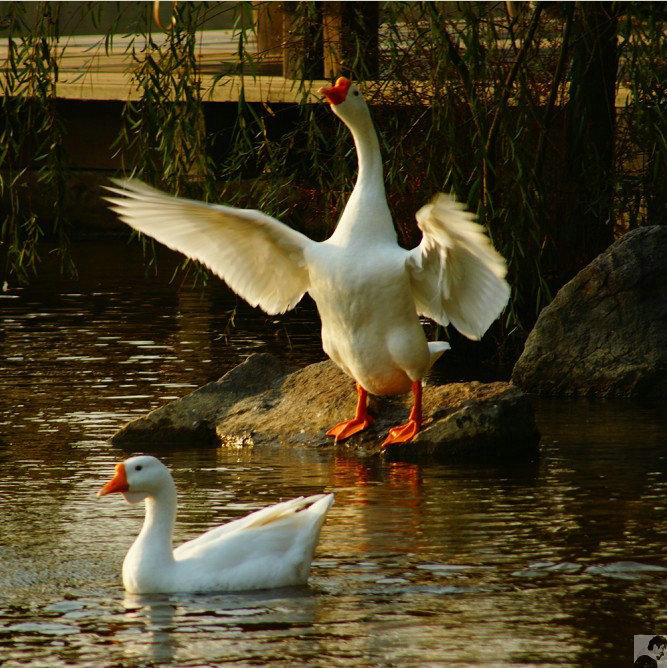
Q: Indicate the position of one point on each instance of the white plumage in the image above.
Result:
(457, 276)
(256, 255)
(368, 290)
(272, 547)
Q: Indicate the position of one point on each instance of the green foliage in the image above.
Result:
(466, 98)
(30, 134)
(163, 138)
(641, 184)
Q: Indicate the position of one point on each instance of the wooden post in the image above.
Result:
(350, 36)
(302, 31)
(268, 18)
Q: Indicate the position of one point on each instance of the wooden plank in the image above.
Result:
(262, 89)
(116, 86)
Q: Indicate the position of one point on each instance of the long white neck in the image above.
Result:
(368, 155)
(366, 213)
(153, 546)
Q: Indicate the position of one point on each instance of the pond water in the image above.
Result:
(557, 561)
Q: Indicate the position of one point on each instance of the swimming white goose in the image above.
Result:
(272, 547)
(369, 291)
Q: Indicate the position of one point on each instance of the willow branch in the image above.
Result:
(511, 77)
(464, 76)
(507, 90)
(553, 93)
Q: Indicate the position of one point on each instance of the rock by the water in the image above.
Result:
(193, 418)
(263, 401)
(605, 332)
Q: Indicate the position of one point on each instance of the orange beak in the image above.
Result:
(336, 94)
(117, 484)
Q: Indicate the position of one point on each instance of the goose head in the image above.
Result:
(347, 102)
(138, 478)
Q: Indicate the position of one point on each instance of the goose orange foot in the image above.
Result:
(358, 423)
(402, 434)
(406, 432)
(348, 428)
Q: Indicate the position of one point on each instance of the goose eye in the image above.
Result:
(356, 92)
(137, 467)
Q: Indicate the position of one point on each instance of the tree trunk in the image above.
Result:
(591, 122)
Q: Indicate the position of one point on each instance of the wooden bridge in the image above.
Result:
(92, 67)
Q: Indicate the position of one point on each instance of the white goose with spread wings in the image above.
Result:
(369, 291)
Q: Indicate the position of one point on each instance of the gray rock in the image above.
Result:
(192, 419)
(263, 402)
(605, 333)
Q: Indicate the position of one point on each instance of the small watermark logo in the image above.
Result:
(650, 651)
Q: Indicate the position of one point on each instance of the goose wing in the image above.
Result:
(259, 257)
(456, 275)
(284, 518)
